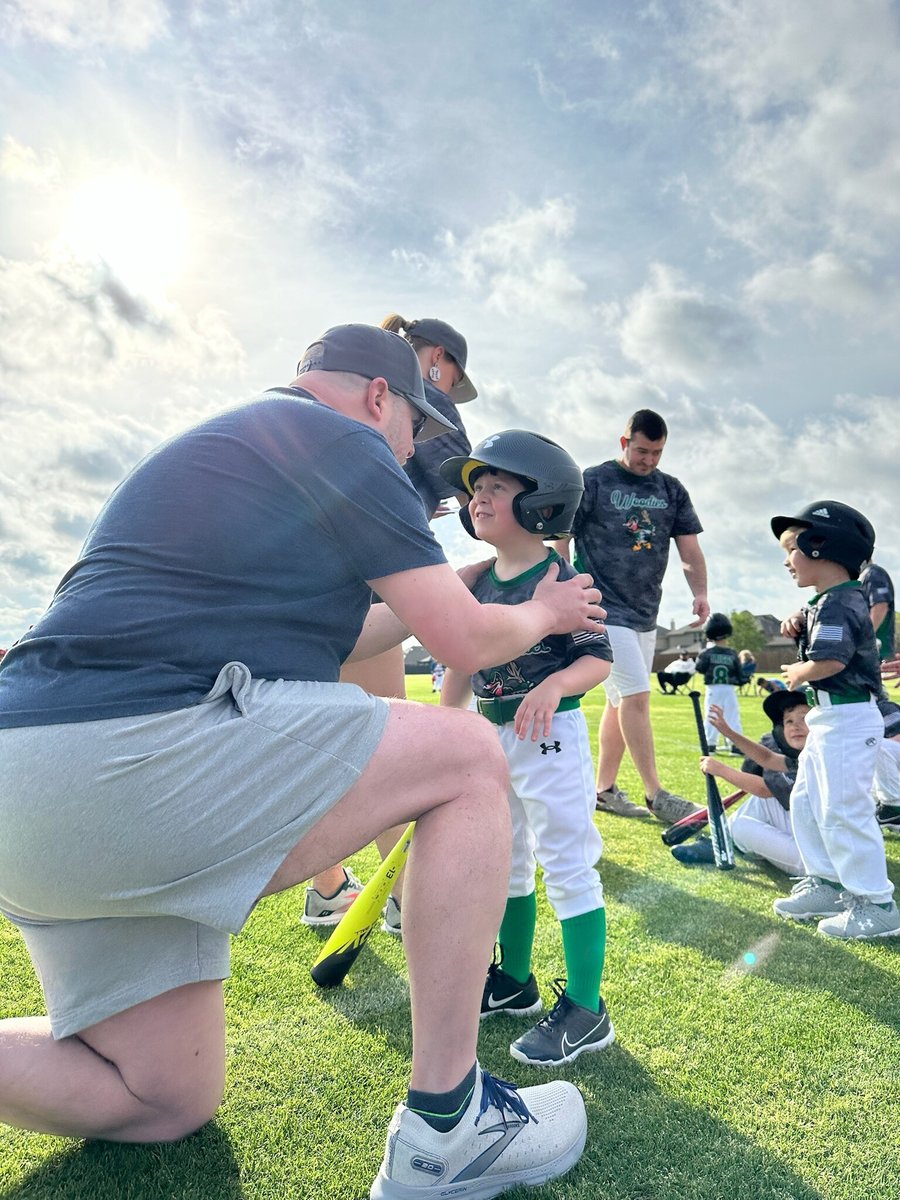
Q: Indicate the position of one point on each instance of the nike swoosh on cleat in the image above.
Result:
(567, 1045)
(492, 1003)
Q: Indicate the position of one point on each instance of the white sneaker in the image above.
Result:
(506, 1138)
(862, 920)
(391, 915)
(328, 910)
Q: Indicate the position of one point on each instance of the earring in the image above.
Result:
(434, 373)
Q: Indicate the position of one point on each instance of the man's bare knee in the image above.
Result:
(482, 753)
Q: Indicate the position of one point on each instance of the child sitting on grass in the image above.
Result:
(762, 827)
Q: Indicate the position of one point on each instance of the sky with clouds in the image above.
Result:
(689, 205)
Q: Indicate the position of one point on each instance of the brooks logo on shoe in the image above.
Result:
(510, 1131)
(428, 1166)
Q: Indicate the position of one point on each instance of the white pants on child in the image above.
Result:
(832, 808)
(887, 772)
(552, 798)
(725, 695)
(761, 826)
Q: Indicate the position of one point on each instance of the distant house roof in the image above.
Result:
(416, 654)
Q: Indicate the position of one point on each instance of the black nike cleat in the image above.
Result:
(503, 994)
(567, 1031)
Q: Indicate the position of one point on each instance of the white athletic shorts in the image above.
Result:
(632, 661)
(552, 797)
(131, 849)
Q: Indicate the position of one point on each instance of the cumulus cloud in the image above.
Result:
(23, 164)
(518, 264)
(129, 25)
(677, 331)
(827, 282)
(816, 147)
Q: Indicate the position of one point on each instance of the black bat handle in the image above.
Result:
(698, 715)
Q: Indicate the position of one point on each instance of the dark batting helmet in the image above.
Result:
(552, 479)
(718, 626)
(833, 531)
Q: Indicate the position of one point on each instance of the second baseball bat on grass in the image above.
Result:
(342, 949)
(694, 822)
(720, 834)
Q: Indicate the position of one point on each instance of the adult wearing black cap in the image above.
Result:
(174, 744)
(442, 353)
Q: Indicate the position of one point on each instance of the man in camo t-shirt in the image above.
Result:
(630, 513)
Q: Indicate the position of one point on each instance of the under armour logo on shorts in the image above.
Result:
(545, 749)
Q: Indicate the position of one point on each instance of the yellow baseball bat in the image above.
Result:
(340, 951)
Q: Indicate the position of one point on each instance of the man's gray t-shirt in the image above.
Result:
(248, 538)
(622, 530)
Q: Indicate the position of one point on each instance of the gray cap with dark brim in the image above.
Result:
(376, 354)
(439, 333)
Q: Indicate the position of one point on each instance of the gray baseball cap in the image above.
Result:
(376, 354)
(439, 333)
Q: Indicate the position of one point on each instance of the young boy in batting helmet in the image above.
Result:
(524, 489)
(720, 667)
(845, 886)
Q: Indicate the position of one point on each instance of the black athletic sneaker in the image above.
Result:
(692, 853)
(567, 1031)
(503, 994)
(889, 817)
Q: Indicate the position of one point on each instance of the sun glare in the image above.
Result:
(136, 225)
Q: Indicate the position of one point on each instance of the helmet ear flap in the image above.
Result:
(466, 522)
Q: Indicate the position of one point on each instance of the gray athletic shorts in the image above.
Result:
(131, 849)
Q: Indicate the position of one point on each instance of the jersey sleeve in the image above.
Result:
(686, 519)
(835, 631)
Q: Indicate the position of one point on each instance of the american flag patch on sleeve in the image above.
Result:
(828, 633)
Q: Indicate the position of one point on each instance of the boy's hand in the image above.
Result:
(793, 626)
(535, 713)
(794, 674)
(710, 766)
(716, 718)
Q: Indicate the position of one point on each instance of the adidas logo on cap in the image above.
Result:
(821, 512)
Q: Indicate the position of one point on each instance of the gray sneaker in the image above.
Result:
(670, 808)
(861, 920)
(391, 914)
(810, 899)
(506, 1138)
(614, 800)
(328, 910)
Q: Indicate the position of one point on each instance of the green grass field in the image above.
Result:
(779, 1079)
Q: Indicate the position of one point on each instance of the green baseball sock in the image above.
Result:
(584, 942)
(517, 935)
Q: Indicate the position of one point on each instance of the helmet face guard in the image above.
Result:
(553, 480)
